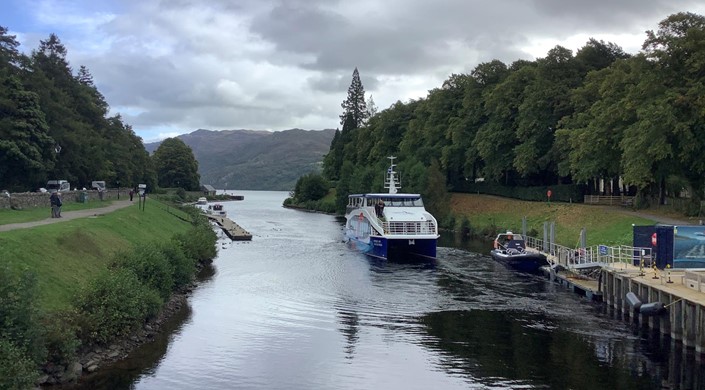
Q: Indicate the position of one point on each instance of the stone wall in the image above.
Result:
(25, 200)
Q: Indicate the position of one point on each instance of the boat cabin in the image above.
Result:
(358, 201)
(510, 240)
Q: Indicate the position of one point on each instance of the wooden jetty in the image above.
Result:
(231, 229)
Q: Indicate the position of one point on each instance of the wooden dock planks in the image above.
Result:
(231, 229)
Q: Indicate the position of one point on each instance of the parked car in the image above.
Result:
(58, 185)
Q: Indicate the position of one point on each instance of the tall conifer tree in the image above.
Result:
(355, 104)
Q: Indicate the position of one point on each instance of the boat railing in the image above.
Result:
(409, 228)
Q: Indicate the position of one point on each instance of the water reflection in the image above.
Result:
(142, 361)
(295, 309)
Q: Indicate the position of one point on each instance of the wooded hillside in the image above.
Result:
(565, 118)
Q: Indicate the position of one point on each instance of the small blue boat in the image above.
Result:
(510, 249)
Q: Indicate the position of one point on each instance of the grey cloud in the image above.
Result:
(271, 63)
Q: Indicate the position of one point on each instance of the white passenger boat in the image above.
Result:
(202, 200)
(216, 210)
(390, 225)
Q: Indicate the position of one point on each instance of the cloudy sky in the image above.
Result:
(173, 66)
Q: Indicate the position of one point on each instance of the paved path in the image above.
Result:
(660, 219)
(69, 215)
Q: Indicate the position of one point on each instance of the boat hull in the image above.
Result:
(395, 249)
(524, 262)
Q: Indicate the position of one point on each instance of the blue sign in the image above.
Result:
(603, 250)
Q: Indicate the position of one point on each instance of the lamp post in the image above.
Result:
(118, 184)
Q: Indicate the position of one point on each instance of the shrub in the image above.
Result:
(465, 227)
(114, 304)
(181, 193)
(199, 243)
(311, 187)
(19, 315)
(183, 267)
(151, 266)
(60, 330)
(17, 371)
(448, 222)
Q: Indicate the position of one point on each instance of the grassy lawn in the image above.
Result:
(8, 216)
(68, 254)
(604, 226)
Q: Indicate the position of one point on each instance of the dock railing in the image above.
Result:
(591, 256)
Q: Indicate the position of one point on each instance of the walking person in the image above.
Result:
(54, 202)
(132, 193)
(58, 204)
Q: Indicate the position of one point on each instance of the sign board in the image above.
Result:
(142, 188)
(603, 250)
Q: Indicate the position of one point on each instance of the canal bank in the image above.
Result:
(295, 309)
(62, 289)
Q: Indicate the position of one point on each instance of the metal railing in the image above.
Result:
(409, 228)
(592, 256)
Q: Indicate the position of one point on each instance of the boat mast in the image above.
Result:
(391, 181)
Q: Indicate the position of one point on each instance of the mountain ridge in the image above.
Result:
(255, 159)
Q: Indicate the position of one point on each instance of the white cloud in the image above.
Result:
(174, 66)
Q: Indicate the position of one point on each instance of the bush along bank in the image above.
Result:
(115, 312)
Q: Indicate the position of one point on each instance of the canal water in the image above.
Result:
(295, 309)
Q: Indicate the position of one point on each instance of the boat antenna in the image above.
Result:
(390, 181)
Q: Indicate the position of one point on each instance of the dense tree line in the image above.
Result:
(565, 118)
(55, 124)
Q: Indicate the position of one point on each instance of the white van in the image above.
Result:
(98, 185)
(58, 185)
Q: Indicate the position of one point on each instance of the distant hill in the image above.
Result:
(256, 160)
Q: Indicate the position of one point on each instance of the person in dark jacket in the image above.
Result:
(54, 202)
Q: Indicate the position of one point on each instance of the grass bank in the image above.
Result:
(8, 216)
(604, 225)
(66, 255)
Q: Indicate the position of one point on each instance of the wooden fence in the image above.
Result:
(622, 200)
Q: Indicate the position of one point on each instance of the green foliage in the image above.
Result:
(60, 332)
(465, 227)
(436, 195)
(199, 243)
(181, 193)
(183, 267)
(175, 165)
(19, 314)
(355, 106)
(54, 124)
(21, 336)
(113, 305)
(150, 265)
(17, 371)
(311, 187)
(597, 115)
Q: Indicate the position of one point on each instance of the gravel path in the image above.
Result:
(659, 219)
(69, 215)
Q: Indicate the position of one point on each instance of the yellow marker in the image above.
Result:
(668, 272)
